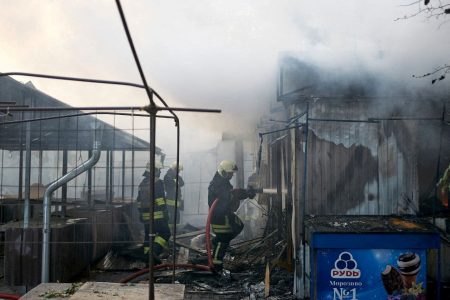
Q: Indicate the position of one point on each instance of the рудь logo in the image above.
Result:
(345, 267)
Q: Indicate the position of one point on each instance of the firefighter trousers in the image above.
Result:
(162, 232)
(225, 232)
(171, 210)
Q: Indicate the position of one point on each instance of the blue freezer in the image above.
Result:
(377, 263)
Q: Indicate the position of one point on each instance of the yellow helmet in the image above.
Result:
(227, 166)
(158, 166)
(174, 166)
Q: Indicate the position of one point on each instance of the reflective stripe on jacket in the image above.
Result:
(160, 210)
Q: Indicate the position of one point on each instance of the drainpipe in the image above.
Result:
(87, 165)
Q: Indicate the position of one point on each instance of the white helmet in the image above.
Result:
(227, 166)
(174, 166)
(158, 166)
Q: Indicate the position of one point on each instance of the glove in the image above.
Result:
(251, 193)
(239, 194)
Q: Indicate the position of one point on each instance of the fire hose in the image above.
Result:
(9, 296)
(210, 265)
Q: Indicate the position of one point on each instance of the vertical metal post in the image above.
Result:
(26, 208)
(279, 185)
(305, 185)
(174, 252)
(89, 189)
(40, 170)
(64, 187)
(20, 187)
(19, 190)
(152, 111)
(111, 177)
(123, 175)
(132, 173)
(107, 177)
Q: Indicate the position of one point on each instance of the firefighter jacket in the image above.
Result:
(160, 211)
(221, 188)
(444, 182)
(170, 186)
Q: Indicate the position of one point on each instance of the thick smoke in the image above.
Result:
(211, 54)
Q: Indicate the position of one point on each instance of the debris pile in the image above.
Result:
(252, 268)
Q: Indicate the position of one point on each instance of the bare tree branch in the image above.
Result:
(432, 9)
(440, 71)
(429, 8)
(411, 4)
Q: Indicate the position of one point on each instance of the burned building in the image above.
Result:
(352, 144)
(342, 161)
(88, 214)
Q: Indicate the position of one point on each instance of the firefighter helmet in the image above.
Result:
(158, 166)
(227, 166)
(174, 166)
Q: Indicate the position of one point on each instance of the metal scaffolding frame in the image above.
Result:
(152, 110)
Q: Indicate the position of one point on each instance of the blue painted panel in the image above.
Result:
(366, 274)
(376, 240)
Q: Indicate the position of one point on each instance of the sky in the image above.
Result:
(210, 53)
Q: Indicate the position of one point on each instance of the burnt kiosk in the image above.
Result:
(372, 257)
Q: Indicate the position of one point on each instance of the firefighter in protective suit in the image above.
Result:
(160, 215)
(170, 186)
(225, 224)
(444, 187)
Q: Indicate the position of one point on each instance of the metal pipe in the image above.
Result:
(295, 118)
(406, 118)
(305, 194)
(47, 208)
(152, 109)
(107, 173)
(20, 187)
(148, 90)
(151, 290)
(26, 207)
(344, 120)
(377, 120)
(174, 254)
(40, 164)
(78, 115)
(103, 108)
(64, 187)
(111, 176)
(89, 189)
(89, 80)
(123, 176)
(272, 191)
(70, 79)
(20, 191)
(132, 170)
(6, 106)
(279, 130)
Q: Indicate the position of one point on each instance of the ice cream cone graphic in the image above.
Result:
(409, 266)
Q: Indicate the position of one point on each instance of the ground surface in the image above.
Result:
(104, 290)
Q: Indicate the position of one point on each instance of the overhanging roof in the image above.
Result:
(70, 133)
(302, 80)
